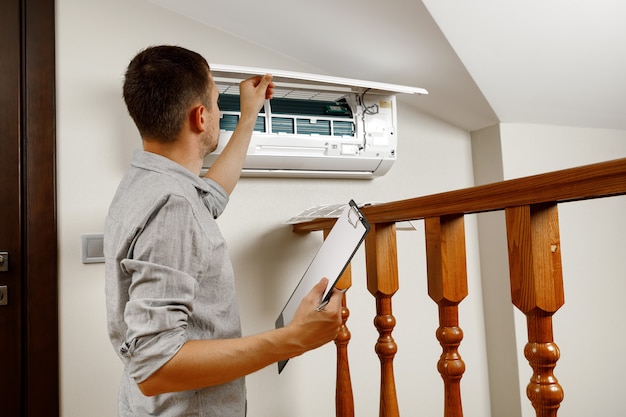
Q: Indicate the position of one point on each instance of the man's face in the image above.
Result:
(212, 132)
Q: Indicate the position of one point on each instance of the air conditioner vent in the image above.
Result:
(230, 103)
(228, 122)
(308, 94)
(232, 89)
(310, 107)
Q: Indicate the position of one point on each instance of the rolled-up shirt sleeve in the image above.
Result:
(215, 201)
(163, 263)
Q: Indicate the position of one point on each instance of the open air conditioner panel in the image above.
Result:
(298, 81)
(314, 126)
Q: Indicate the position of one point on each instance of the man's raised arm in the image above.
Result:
(226, 169)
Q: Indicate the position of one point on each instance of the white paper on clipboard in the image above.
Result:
(331, 260)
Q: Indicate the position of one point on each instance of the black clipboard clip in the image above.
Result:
(354, 215)
(325, 302)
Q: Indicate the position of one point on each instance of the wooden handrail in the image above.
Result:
(531, 208)
(603, 179)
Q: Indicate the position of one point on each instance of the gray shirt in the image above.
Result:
(169, 279)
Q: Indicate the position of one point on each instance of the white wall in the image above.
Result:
(95, 41)
(502, 354)
(590, 324)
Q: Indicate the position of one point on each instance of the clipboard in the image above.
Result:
(330, 261)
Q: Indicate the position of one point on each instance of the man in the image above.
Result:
(171, 304)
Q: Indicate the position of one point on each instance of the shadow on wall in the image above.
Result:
(271, 265)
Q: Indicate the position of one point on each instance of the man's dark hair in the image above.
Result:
(160, 85)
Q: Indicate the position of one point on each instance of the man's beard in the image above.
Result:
(209, 144)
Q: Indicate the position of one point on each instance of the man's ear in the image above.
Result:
(197, 118)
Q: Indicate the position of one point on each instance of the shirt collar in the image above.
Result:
(158, 163)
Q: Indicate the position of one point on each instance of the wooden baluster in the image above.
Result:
(382, 282)
(344, 399)
(537, 290)
(447, 286)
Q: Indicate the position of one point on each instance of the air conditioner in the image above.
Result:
(314, 126)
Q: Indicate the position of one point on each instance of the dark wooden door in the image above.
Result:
(10, 237)
(29, 363)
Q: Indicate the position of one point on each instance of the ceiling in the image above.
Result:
(559, 62)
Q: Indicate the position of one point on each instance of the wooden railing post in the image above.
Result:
(447, 286)
(537, 290)
(382, 282)
(344, 398)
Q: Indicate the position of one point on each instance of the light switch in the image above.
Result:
(93, 248)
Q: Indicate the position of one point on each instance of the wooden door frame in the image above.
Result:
(41, 348)
(32, 140)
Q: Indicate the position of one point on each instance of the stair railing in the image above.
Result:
(531, 210)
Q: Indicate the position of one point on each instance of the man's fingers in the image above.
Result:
(320, 286)
(267, 85)
(337, 296)
(260, 83)
(265, 80)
